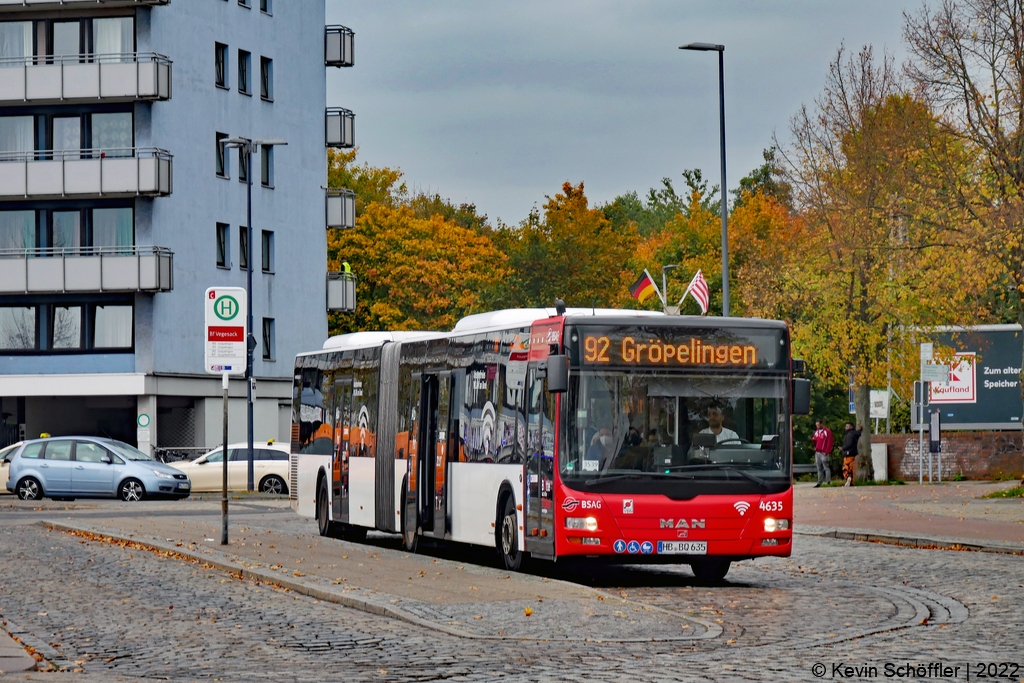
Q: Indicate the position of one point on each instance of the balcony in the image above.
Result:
(86, 270)
(340, 127)
(17, 5)
(76, 78)
(117, 172)
(341, 292)
(339, 46)
(341, 208)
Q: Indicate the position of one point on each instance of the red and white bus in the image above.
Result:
(584, 433)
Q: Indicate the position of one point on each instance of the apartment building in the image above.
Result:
(120, 205)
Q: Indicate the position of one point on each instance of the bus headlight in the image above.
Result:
(587, 523)
(771, 524)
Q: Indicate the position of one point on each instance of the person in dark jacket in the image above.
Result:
(850, 439)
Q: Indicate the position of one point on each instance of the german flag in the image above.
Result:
(643, 288)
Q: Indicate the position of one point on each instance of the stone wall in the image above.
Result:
(975, 455)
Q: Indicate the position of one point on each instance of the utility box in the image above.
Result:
(880, 461)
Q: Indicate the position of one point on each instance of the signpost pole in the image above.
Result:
(920, 432)
(224, 468)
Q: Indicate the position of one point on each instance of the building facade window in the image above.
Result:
(111, 133)
(267, 79)
(223, 246)
(16, 40)
(45, 327)
(243, 247)
(243, 165)
(267, 6)
(244, 64)
(268, 339)
(267, 251)
(267, 166)
(222, 165)
(220, 65)
(67, 228)
(244, 3)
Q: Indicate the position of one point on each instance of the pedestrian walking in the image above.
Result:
(823, 442)
(850, 439)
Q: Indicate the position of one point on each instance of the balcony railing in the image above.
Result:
(340, 127)
(339, 46)
(86, 270)
(110, 172)
(341, 292)
(115, 77)
(341, 208)
(15, 5)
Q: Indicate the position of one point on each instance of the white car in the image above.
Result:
(270, 468)
(6, 454)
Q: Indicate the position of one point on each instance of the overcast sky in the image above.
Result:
(498, 102)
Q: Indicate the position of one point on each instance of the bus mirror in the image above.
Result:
(558, 374)
(801, 396)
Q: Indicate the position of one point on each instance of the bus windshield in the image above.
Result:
(628, 427)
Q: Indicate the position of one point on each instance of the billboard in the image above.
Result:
(984, 389)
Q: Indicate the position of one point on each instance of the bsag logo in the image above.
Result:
(627, 506)
(681, 524)
(570, 504)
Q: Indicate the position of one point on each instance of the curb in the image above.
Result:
(14, 658)
(913, 541)
(317, 592)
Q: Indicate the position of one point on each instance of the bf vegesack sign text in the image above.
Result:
(225, 330)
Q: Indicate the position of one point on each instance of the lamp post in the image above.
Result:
(664, 286)
(720, 49)
(246, 147)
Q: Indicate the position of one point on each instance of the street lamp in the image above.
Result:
(720, 49)
(247, 147)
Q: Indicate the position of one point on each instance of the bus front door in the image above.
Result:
(343, 406)
(440, 454)
(540, 466)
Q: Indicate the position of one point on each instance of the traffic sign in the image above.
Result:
(225, 332)
(932, 372)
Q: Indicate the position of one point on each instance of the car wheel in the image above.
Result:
(508, 537)
(273, 484)
(29, 489)
(131, 490)
(711, 569)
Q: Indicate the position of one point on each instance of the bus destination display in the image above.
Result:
(668, 348)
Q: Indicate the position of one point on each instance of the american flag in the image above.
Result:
(699, 289)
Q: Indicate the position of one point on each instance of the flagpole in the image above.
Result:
(664, 286)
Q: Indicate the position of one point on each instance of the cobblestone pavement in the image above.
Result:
(124, 614)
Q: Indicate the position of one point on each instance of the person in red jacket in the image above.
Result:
(823, 444)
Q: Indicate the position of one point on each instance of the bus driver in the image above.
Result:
(715, 419)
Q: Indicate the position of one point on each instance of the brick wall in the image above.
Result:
(976, 455)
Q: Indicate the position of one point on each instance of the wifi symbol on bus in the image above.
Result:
(741, 507)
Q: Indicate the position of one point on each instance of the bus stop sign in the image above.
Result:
(225, 332)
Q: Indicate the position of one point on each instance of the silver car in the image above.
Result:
(68, 467)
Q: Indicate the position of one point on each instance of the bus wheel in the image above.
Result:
(323, 514)
(410, 539)
(710, 569)
(508, 536)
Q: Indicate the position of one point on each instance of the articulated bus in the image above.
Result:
(588, 433)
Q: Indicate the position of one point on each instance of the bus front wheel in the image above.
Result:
(508, 536)
(710, 569)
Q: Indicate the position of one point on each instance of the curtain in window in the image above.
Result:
(17, 229)
(114, 36)
(113, 228)
(67, 136)
(18, 328)
(113, 327)
(16, 40)
(67, 233)
(112, 131)
(67, 327)
(16, 133)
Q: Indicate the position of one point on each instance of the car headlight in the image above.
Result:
(163, 475)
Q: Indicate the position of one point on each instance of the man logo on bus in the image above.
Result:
(570, 504)
(226, 307)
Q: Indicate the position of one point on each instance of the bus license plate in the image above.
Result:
(683, 547)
